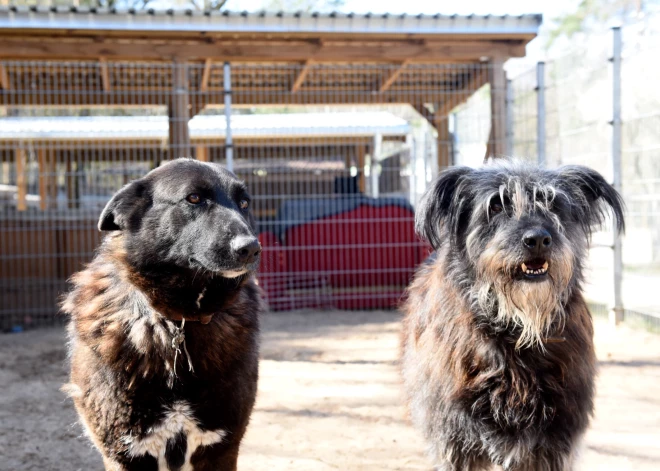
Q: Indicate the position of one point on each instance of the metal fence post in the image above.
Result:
(540, 121)
(229, 144)
(616, 316)
(509, 117)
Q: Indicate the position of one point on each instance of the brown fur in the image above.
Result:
(143, 402)
(116, 351)
(497, 351)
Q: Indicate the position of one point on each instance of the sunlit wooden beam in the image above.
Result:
(4, 78)
(392, 77)
(302, 75)
(105, 75)
(206, 76)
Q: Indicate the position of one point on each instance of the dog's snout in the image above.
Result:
(537, 240)
(246, 249)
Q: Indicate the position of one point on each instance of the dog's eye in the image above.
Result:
(495, 206)
(243, 204)
(194, 198)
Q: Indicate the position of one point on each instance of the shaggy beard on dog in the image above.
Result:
(497, 350)
(536, 309)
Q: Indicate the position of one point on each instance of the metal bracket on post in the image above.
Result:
(229, 143)
(616, 316)
(540, 120)
(509, 118)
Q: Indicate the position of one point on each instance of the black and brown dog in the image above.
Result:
(497, 350)
(165, 323)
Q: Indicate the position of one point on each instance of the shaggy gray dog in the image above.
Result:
(497, 350)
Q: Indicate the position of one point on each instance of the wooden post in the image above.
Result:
(72, 188)
(21, 179)
(52, 179)
(202, 153)
(444, 141)
(361, 153)
(43, 178)
(179, 113)
(497, 138)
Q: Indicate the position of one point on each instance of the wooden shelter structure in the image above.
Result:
(62, 68)
(276, 58)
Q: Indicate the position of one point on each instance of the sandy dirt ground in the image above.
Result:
(329, 399)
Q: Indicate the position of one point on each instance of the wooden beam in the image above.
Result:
(4, 78)
(206, 75)
(72, 187)
(21, 179)
(105, 75)
(42, 159)
(361, 153)
(478, 78)
(302, 75)
(445, 159)
(257, 50)
(497, 138)
(392, 77)
(202, 153)
(52, 178)
(138, 98)
(179, 113)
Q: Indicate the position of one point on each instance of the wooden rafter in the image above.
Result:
(425, 112)
(4, 78)
(497, 137)
(393, 76)
(302, 75)
(206, 75)
(477, 79)
(105, 75)
(257, 50)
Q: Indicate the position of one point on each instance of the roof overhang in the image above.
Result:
(78, 33)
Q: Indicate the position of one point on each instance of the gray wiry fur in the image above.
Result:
(487, 381)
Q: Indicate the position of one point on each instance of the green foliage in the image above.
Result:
(592, 14)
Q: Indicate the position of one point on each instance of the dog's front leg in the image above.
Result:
(216, 458)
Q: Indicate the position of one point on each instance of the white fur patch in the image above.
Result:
(232, 273)
(200, 297)
(179, 418)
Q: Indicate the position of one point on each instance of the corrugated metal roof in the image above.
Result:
(205, 126)
(263, 21)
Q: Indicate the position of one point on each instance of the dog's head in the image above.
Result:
(516, 237)
(186, 214)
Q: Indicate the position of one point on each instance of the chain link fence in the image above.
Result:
(336, 157)
(570, 119)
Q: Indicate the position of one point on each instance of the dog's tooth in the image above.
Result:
(545, 266)
(524, 267)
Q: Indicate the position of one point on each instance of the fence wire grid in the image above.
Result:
(336, 157)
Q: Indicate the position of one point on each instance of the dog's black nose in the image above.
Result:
(246, 249)
(537, 240)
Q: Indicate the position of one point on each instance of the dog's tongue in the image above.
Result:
(205, 319)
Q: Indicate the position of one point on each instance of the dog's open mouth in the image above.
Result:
(535, 268)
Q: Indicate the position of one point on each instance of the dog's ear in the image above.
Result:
(123, 207)
(440, 206)
(594, 191)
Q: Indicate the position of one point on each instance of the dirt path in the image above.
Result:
(329, 398)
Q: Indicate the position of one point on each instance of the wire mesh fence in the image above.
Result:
(335, 156)
(577, 119)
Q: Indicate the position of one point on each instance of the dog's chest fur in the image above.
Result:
(471, 389)
(122, 364)
(173, 440)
